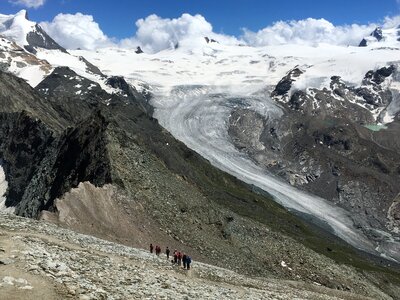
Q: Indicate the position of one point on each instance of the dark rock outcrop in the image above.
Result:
(363, 43)
(41, 166)
(40, 39)
(24, 144)
(377, 33)
(208, 40)
(297, 100)
(359, 102)
(72, 96)
(91, 68)
(285, 84)
(139, 50)
(130, 93)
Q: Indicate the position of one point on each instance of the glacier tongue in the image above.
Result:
(198, 117)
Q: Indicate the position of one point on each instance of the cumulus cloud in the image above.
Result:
(28, 3)
(308, 32)
(76, 31)
(390, 22)
(155, 34)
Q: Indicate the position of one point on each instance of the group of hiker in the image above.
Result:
(178, 258)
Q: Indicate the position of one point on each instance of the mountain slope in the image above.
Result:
(164, 191)
(94, 268)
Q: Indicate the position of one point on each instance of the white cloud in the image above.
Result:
(76, 31)
(28, 3)
(390, 22)
(308, 32)
(155, 34)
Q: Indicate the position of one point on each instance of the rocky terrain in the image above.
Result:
(327, 142)
(48, 262)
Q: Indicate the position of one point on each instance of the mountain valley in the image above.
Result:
(281, 163)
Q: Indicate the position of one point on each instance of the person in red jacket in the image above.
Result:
(179, 258)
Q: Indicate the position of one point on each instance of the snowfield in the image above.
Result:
(243, 66)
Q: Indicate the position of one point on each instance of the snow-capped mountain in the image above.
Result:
(196, 89)
(389, 37)
(25, 33)
(29, 52)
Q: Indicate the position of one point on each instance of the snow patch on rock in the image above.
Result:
(3, 189)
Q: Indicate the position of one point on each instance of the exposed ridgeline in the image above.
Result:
(98, 163)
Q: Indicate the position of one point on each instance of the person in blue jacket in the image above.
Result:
(188, 261)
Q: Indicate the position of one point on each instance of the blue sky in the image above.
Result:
(117, 18)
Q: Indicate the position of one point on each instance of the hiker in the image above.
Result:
(151, 248)
(184, 257)
(175, 256)
(179, 258)
(188, 262)
(158, 250)
(167, 253)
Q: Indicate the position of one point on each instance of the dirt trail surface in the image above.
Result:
(42, 261)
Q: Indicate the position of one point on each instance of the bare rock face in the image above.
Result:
(40, 39)
(139, 50)
(394, 215)
(285, 84)
(41, 167)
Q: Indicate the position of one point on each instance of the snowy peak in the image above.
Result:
(382, 37)
(25, 33)
(16, 27)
